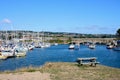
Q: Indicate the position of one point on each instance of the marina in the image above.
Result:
(59, 40)
(60, 53)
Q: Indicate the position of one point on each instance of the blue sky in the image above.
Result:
(80, 16)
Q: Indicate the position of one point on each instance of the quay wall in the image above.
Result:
(94, 40)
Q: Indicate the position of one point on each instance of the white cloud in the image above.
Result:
(6, 21)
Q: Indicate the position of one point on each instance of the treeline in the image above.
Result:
(19, 33)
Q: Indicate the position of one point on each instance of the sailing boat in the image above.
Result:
(7, 49)
(37, 44)
(43, 43)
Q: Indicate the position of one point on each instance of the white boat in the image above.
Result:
(55, 44)
(109, 46)
(37, 45)
(72, 46)
(30, 47)
(92, 46)
(45, 45)
(20, 51)
(7, 53)
(117, 47)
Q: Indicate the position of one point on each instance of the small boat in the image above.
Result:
(117, 47)
(109, 46)
(72, 46)
(20, 52)
(45, 45)
(55, 44)
(91, 46)
(30, 47)
(8, 53)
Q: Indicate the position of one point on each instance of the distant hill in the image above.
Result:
(60, 34)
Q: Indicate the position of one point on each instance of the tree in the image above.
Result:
(118, 34)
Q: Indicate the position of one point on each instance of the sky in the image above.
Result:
(79, 16)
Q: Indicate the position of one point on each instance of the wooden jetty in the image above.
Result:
(87, 61)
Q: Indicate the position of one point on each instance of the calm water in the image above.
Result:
(61, 53)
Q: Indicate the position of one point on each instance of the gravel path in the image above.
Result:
(25, 76)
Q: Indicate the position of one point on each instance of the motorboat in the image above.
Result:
(72, 46)
(20, 51)
(91, 46)
(117, 47)
(109, 46)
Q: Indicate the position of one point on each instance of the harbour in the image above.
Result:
(59, 40)
(60, 53)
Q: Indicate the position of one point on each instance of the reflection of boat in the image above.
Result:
(72, 46)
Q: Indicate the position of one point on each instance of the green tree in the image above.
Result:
(118, 34)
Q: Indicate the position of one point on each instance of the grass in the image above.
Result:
(71, 71)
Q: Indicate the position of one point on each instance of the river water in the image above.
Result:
(61, 53)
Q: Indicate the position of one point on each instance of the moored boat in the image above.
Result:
(72, 46)
(109, 46)
(117, 47)
(91, 46)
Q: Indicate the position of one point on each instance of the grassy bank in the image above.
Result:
(71, 71)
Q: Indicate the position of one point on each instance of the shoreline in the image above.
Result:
(63, 71)
(47, 63)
